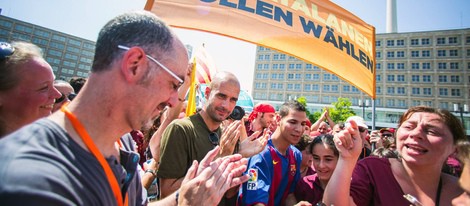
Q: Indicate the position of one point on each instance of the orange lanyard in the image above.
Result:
(80, 129)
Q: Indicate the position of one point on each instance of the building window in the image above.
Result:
(400, 42)
(427, 78)
(276, 57)
(258, 76)
(267, 57)
(273, 85)
(390, 42)
(390, 78)
(400, 66)
(290, 86)
(390, 103)
(282, 57)
(467, 40)
(266, 66)
(316, 76)
(334, 88)
(400, 90)
(326, 77)
(298, 76)
(427, 91)
(426, 65)
(400, 78)
(443, 92)
(307, 87)
(414, 42)
(453, 52)
(415, 90)
(346, 88)
(441, 53)
(452, 40)
(297, 87)
(260, 57)
(455, 92)
(390, 54)
(414, 53)
(425, 41)
(390, 90)
(378, 43)
(442, 65)
(390, 66)
(308, 66)
(291, 66)
(326, 88)
(274, 76)
(416, 102)
(426, 53)
(290, 76)
(281, 77)
(282, 66)
(414, 65)
(275, 66)
(401, 103)
(441, 40)
(400, 54)
(414, 78)
(378, 54)
(298, 66)
(454, 65)
(442, 78)
(354, 89)
(280, 85)
(308, 76)
(334, 77)
(379, 66)
(378, 90)
(455, 78)
(315, 87)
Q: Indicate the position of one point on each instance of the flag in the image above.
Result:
(316, 31)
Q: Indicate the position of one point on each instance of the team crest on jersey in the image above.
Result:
(293, 169)
(252, 183)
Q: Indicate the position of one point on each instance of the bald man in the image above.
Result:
(190, 139)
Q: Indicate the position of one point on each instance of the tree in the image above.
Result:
(341, 110)
(302, 100)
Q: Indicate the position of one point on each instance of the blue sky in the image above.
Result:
(84, 18)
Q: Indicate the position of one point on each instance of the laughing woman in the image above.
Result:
(325, 156)
(425, 138)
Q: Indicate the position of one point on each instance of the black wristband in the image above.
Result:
(177, 195)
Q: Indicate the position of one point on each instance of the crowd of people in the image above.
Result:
(118, 137)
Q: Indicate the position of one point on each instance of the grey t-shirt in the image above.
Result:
(41, 165)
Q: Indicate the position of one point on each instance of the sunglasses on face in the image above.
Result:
(362, 129)
(214, 138)
(6, 50)
(386, 135)
(70, 97)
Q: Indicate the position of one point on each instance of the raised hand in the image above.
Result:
(349, 141)
(252, 145)
(230, 136)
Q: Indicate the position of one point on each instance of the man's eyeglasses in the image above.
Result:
(159, 64)
(362, 129)
(6, 50)
(214, 138)
(71, 96)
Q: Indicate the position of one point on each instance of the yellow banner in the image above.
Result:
(315, 31)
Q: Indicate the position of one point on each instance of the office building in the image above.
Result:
(415, 68)
(69, 56)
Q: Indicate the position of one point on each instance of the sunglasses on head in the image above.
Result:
(6, 50)
(214, 138)
(71, 96)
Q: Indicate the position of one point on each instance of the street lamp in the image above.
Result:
(363, 105)
(461, 110)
